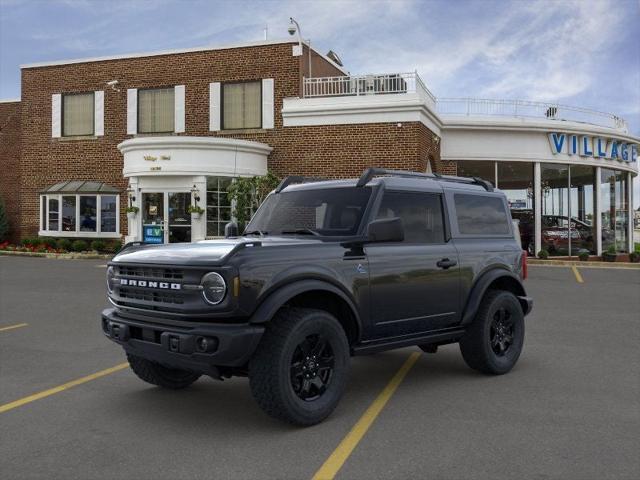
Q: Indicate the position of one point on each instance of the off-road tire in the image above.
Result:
(271, 368)
(156, 374)
(476, 345)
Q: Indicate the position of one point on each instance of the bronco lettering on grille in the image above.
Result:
(147, 284)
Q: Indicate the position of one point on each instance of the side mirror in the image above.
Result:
(385, 230)
(231, 230)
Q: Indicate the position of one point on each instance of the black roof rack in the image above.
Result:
(296, 179)
(369, 173)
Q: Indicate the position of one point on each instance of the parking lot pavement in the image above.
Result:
(570, 408)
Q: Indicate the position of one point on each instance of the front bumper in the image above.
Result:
(199, 347)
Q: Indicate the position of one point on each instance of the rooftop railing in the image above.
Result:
(528, 109)
(400, 83)
(357, 85)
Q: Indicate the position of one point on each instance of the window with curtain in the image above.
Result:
(156, 110)
(77, 114)
(241, 105)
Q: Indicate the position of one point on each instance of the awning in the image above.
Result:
(81, 186)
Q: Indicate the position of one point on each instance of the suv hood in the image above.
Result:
(205, 252)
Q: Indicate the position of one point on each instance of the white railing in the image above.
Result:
(357, 85)
(524, 108)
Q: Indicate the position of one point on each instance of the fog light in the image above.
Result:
(206, 344)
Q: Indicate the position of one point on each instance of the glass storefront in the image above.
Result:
(218, 205)
(614, 210)
(568, 195)
(515, 179)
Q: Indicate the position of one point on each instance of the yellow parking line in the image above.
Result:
(340, 455)
(37, 396)
(11, 327)
(577, 274)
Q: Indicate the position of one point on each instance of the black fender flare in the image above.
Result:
(481, 286)
(281, 295)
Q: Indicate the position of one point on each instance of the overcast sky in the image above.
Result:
(580, 52)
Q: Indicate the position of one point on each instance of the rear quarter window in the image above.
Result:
(481, 215)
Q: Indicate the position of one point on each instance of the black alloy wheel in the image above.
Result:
(501, 333)
(312, 367)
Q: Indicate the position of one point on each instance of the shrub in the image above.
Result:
(634, 257)
(583, 255)
(4, 222)
(113, 247)
(64, 244)
(611, 249)
(543, 254)
(29, 242)
(79, 246)
(98, 245)
(47, 242)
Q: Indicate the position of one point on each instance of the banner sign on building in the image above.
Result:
(152, 234)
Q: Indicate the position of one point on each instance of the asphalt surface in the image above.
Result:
(570, 409)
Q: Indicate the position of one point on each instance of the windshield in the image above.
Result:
(326, 212)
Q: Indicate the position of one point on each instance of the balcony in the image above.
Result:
(395, 85)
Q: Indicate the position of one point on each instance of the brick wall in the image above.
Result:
(328, 151)
(10, 163)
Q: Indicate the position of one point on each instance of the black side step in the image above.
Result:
(441, 337)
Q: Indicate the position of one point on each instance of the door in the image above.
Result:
(165, 218)
(414, 284)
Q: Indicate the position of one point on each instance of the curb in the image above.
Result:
(570, 263)
(59, 256)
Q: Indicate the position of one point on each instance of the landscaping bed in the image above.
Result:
(62, 248)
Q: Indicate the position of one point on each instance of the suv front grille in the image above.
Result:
(150, 272)
(156, 296)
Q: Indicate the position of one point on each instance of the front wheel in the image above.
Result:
(494, 340)
(299, 371)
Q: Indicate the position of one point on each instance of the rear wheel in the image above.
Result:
(156, 374)
(299, 371)
(495, 338)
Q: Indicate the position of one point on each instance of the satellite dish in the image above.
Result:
(335, 58)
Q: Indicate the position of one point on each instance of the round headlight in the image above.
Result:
(111, 273)
(214, 288)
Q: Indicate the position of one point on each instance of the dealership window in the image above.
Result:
(75, 209)
(218, 205)
(581, 206)
(614, 210)
(156, 110)
(478, 168)
(241, 105)
(78, 114)
(515, 179)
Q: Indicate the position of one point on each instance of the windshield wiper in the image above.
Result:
(300, 231)
(255, 232)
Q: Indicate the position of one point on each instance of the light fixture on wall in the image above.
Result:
(132, 197)
(294, 27)
(195, 194)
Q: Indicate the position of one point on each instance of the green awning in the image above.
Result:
(81, 186)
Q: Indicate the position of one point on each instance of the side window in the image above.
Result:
(481, 215)
(421, 215)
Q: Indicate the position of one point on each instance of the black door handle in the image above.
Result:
(446, 263)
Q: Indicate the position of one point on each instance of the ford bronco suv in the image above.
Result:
(323, 271)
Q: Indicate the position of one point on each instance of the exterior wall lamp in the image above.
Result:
(294, 27)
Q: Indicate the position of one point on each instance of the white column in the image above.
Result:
(134, 224)
(598, 212)
(199, 226)
(537, 207)
(630, 211)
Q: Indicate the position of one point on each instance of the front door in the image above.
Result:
(414, 284)
(165, 218)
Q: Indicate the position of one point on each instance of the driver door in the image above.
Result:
(414, 284)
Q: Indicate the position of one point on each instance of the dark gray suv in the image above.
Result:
(326, 270)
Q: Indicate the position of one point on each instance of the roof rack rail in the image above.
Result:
(296, 179)
(369, 173)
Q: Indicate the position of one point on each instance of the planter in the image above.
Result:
(131, 216)
(195, 216)
(610, 257)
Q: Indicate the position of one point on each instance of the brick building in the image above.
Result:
(162, 130)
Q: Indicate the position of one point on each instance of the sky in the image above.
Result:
(584, 53)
